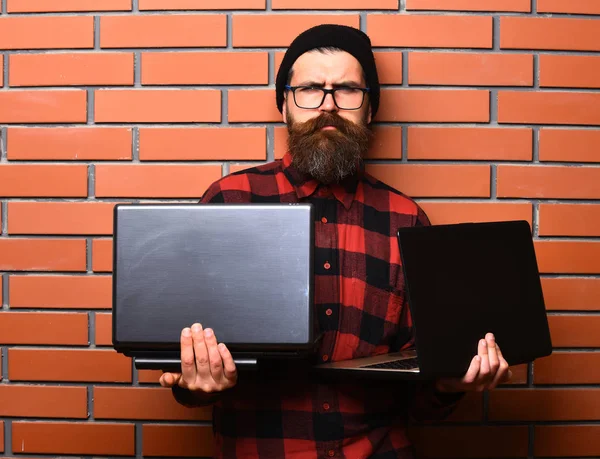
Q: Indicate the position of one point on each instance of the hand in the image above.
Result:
(488, 369)
(205, 366)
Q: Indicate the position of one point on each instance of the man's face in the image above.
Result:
(327, 142)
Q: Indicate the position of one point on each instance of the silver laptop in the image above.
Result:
(246, 271)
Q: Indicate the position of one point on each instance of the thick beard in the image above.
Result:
(327, 156)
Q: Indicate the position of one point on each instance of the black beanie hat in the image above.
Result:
(345, 38)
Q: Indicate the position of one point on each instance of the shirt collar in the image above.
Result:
(306, 186)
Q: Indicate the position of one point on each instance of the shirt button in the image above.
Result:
(325, 357)
(331, 453)
(329, 312)
(327, 265)
(326, 406)
(324, 220)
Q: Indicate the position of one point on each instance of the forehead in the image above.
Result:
(327, 66)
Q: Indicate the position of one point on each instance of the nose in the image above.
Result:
(328, 104)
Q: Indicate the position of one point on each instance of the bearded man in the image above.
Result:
(327, 90)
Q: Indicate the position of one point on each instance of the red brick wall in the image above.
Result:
(490, 110)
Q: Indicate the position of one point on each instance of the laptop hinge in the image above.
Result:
(166, 364)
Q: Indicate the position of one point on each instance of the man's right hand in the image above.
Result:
(205, 365)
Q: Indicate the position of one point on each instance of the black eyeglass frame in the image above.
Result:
(325, 92)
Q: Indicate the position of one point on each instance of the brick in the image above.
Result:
(335, 5)
(56, 328)
(17, 180)
(421, 181)
(68, 365)
(221, 143)
(205, 68)
(188, 441)
(387, 143)
(160, 181)
(470, 442)
(544, 405)
(569, 71)
(569, 220)
(470, 69)
(102, 259)
(43, 401)
(255, 105)
(434, 105)
(42, 254)
(163, 31)
(548, 107)
(442, 213)
(571, 293)
(64, 292)
(67, 218)
(73, 438)
(71, 69)
(240, 167)
(43, 106)
(389, 67)
(69, 143)
(427, 31)
(568, 257)
(518, 6)
(157, 105)
(42, 6)
(149, 376)
(568, 368)
(571, 145)
(270, 30)
(573, 440)
(574, 331)
(573, 6)
(479, 143)
(202, 5)
(470, 409)
(46, 32)
(548, 182)
(143, 403)
(519, 375)
(103, 330)
(554, 34)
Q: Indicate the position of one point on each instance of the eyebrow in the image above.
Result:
(316, 84)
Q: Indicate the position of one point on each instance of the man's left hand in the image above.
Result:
(488, 369)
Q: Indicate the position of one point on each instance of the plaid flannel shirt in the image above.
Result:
(361, 310)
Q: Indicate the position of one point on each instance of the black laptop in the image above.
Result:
(464, 280)
(246, 271)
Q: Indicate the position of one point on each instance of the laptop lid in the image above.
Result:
(464, 280)
(243, 270)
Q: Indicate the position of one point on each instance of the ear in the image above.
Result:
(284, 109)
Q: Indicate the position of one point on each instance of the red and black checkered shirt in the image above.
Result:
(361, 310)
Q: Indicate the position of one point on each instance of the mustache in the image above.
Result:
(324, 120)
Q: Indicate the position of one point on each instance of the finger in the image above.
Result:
(169, 379)
(492, 354)
(229, 368)
(504, 374)
(216, 363)
(484, 369)
(188, 365)
(201, 353)
(473, 370)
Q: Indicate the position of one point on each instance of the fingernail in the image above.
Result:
(483, 342)
(208, 332)
(187, 332)
(197, 328)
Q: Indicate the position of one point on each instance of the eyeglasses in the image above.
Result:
(345, 97)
